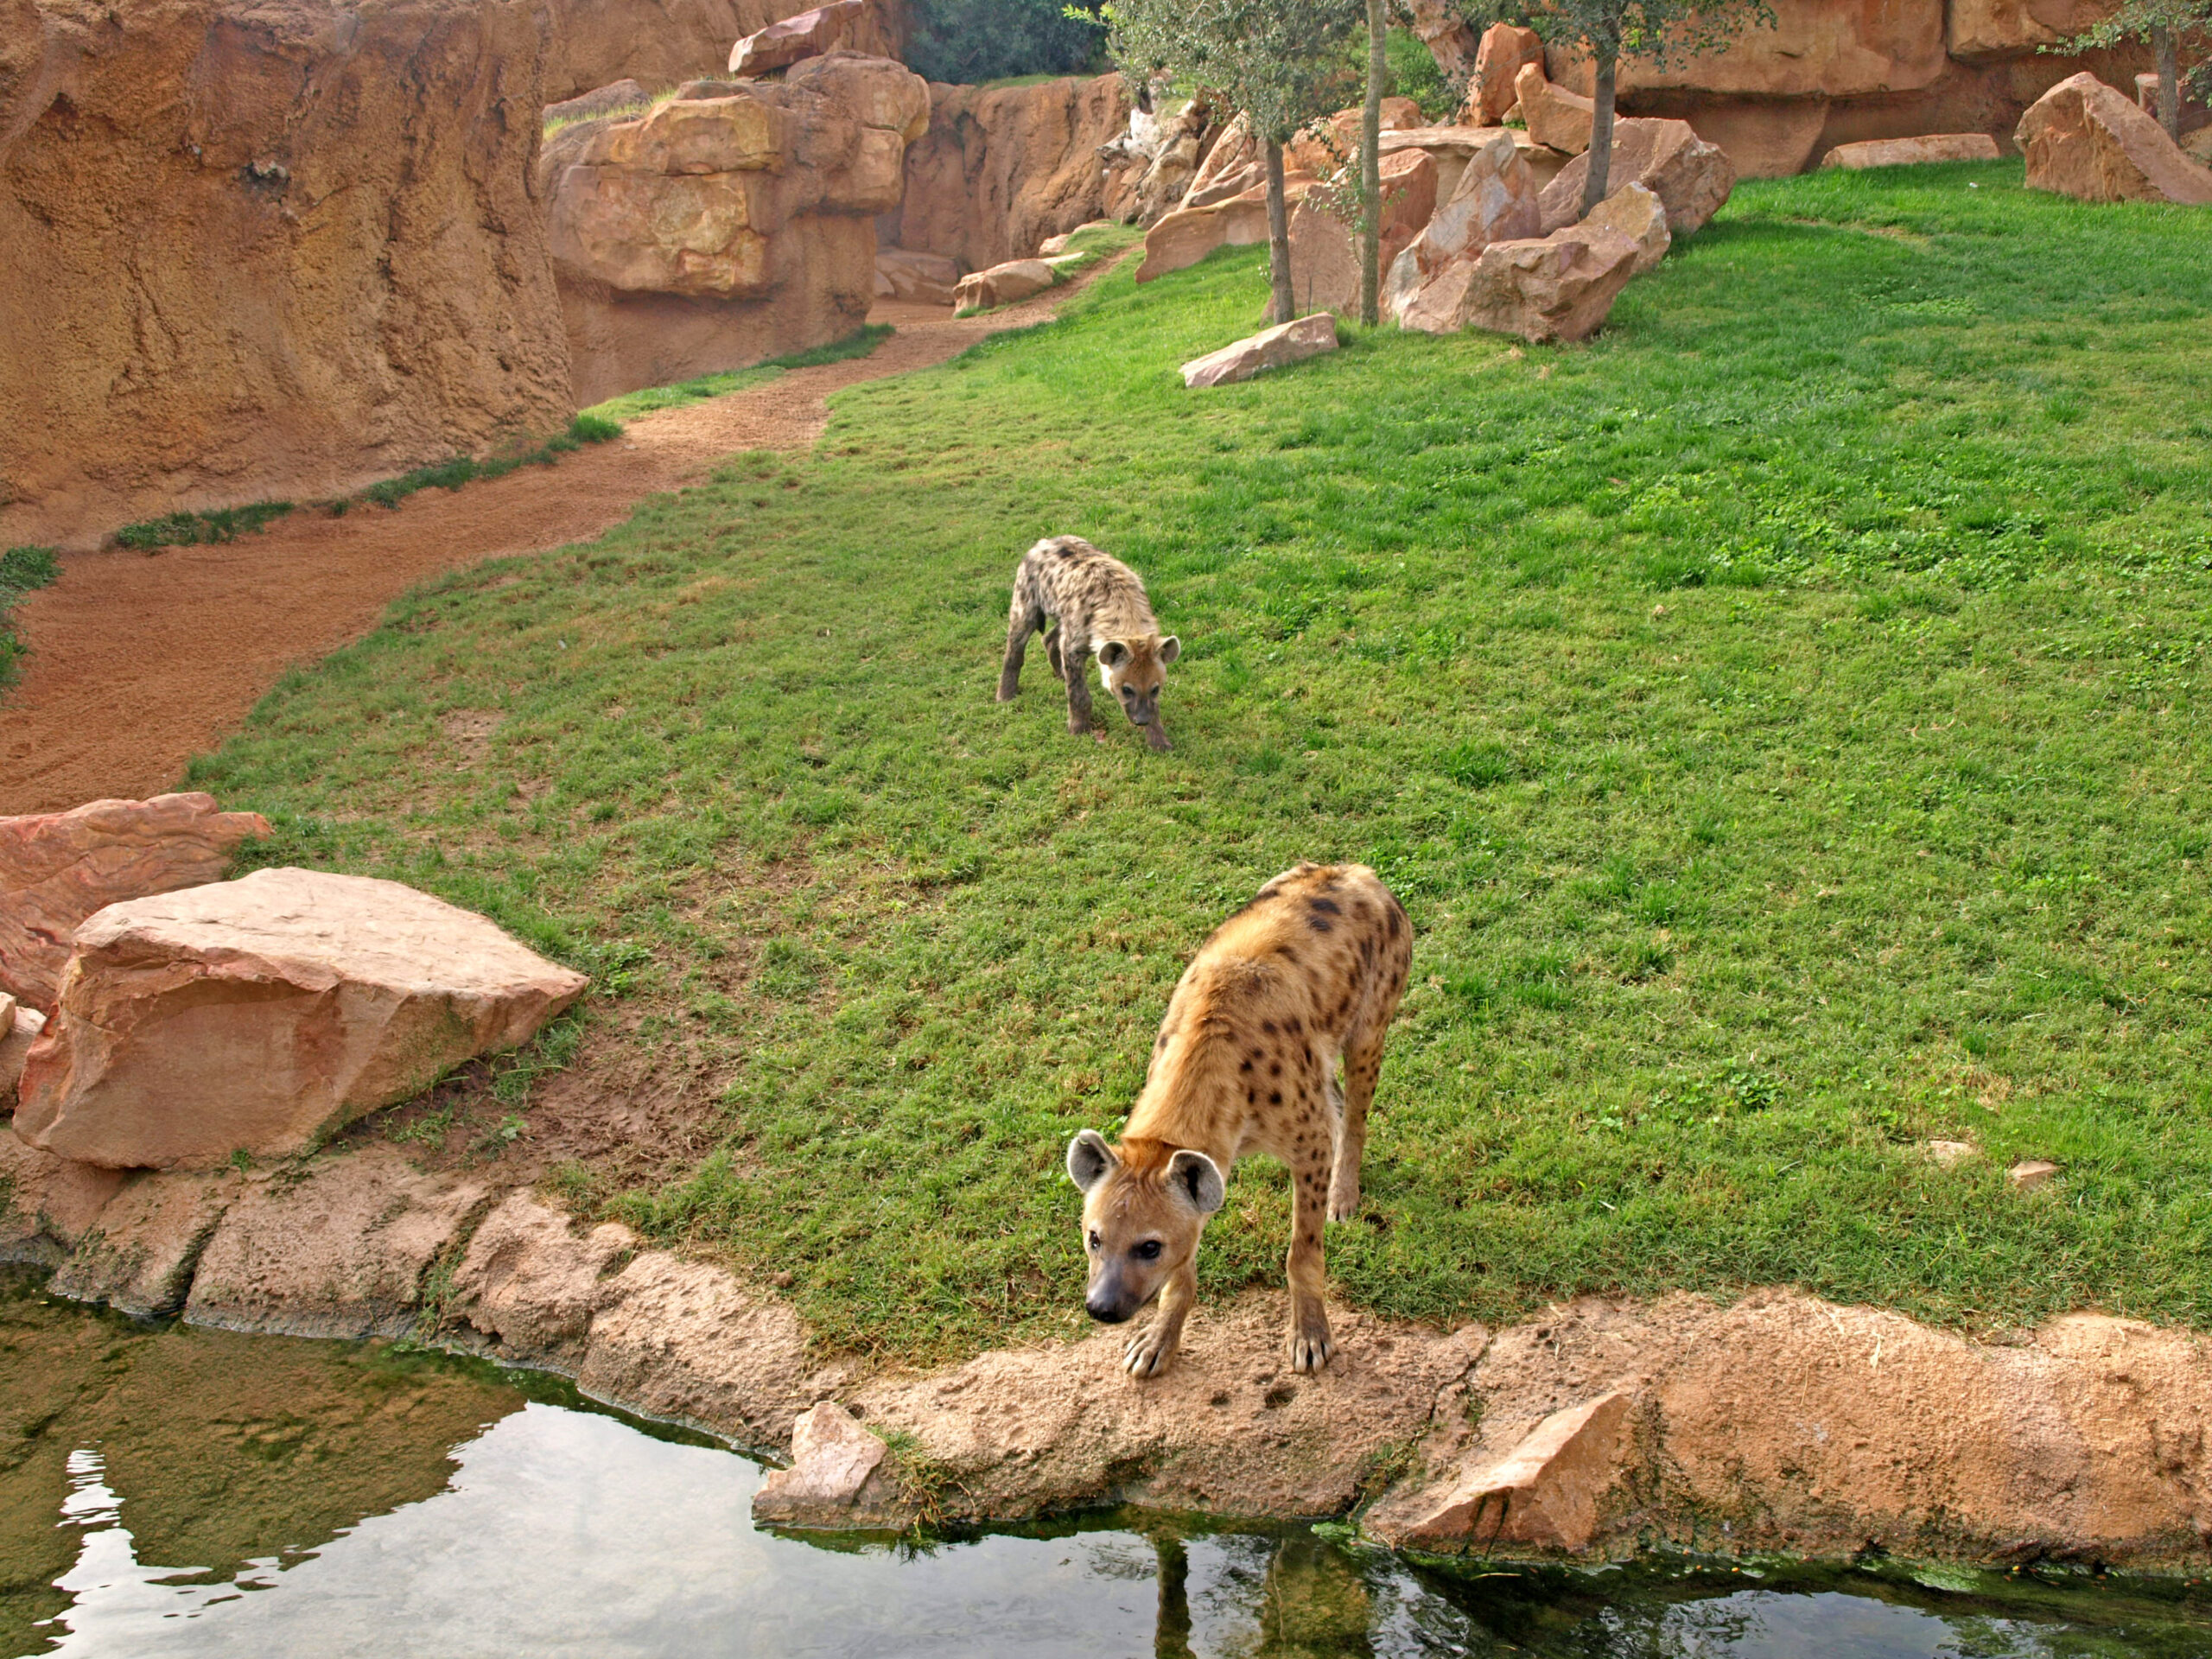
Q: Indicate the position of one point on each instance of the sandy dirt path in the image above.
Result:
(139, 662)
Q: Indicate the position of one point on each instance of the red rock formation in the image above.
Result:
(1001, 168)
(2083, 138)
(263, 249)
(663, 43)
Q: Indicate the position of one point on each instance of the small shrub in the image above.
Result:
(195, 529)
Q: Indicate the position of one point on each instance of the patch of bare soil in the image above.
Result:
(139, 662)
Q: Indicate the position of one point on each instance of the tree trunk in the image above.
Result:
(1281, 303)
(1371, 165)
(1601, 130)
(2164, 49)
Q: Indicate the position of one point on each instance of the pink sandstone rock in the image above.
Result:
(835, 1479)
(529, 1283)
(1983, 29)
(1449, 39)
(921, 278)
(47, 1204)
(138, 1256)
(1017, 279)
(807, 35)
(1765, 138)
(1690, 177)
(1189, 234)
(1635, 212)
(56, 868)
(1324, 250)
(1911, 152)
(1273, 349)
(1557, 118)
(1495, 199)
(1546, 1493)
(19, 1029)
(1558, 288)
(1491, 90)
(2083, 138)
(1231, 167)
(264, 1014)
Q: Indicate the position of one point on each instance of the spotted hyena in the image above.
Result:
(1098, 606)
(1309, 972)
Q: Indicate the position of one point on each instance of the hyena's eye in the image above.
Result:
(1147, 1251)
(1094, 1241)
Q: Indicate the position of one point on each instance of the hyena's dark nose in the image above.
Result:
(1105, 1307)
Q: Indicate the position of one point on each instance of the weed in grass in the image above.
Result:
(22, 568)
(194, 529)
(760, 716)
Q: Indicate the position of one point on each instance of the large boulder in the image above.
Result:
(1556, 118)
(1001, 169)
(1635, 211)
(264, 1014)
(1913, 152)
(56, 868)
(1692, 177)
(265, 248)
(1271, 348)
(732, 223)
(1556, 288)
(1231, 167)
(1017, 279)
(665, 42)
(1189, 234)
(1325, 255)
(2083, 138)
(809, 35)
(2011, 28)
(1495, 199)
(19, 1028)
(1764, 137)
(918, 278)
(1493, 88)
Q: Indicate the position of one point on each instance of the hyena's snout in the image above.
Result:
(1111, 1300)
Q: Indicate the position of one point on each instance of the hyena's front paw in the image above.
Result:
(1009, 688)
(1310, 1346)
(1344, 1196)
(1149, 1354)
(1157, 738)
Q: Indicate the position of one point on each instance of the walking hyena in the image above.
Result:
(1311, 970)
(1098, 604)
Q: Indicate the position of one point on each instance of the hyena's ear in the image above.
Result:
(1170, 649)
(1196, 1178)
(1091, 1160)
(1114, 652)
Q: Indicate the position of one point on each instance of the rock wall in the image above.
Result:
(664, 43)
(735, 223)
(265, 248)
(1001, 168)
(1834, 72)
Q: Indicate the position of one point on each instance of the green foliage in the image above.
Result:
(1415, 75)
(22, 568)
(593, 426)
(193, 529)
(1282, 62)
(2166, 25)
(965, 41)
(1788, 735)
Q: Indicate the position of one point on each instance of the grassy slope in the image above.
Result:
(1780, 718)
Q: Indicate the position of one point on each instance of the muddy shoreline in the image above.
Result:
(1776, 1423)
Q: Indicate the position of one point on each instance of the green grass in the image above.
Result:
(1784, 718)
(631, 404)
(22, 568)
(593, 426)
(193, 529)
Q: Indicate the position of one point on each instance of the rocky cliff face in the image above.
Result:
(734, 222)
(663, 43)
(1001, 168)
(259, 247)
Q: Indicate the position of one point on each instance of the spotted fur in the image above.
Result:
(1099, 608)
(1307, 975)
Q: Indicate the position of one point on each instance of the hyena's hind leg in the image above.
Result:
(1023, 619)
(1052, 653)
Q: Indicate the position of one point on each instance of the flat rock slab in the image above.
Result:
(807, 35)
(1273, 349)
(263, 1015)
(343, 1252)
(836, 1477)
(2085, 139)
(1017, 279)
(139, 1254)
(1913, 152)
(1556, 118)
(529, 1284)
(56, 868)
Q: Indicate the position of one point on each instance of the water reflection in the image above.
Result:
(567, 1532)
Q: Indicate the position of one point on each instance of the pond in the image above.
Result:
(166, 1491)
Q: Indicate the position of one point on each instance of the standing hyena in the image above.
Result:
(1098, 604)
(1311, 970)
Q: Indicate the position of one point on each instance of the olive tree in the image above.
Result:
(2163, 23)
(1283, 63)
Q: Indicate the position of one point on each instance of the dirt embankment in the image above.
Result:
(139, 662)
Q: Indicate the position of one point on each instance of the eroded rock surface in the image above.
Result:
(341, 1250)
(1637, 213)
(1557, 118)
(261, 1015)
(836, 1477)
(1909, 152)
(1560, 286)
(1325, 255)
(139, 1254)
(734, 223)
(47, 1204)
(1001, 169)
(920, 278)
(19, 1029)
(56, 868)
(1189, 234)
(807, 34)
(2085, 139)
(1493, 89)
(1494, 199)
(527, 1287)
(1017, 279)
